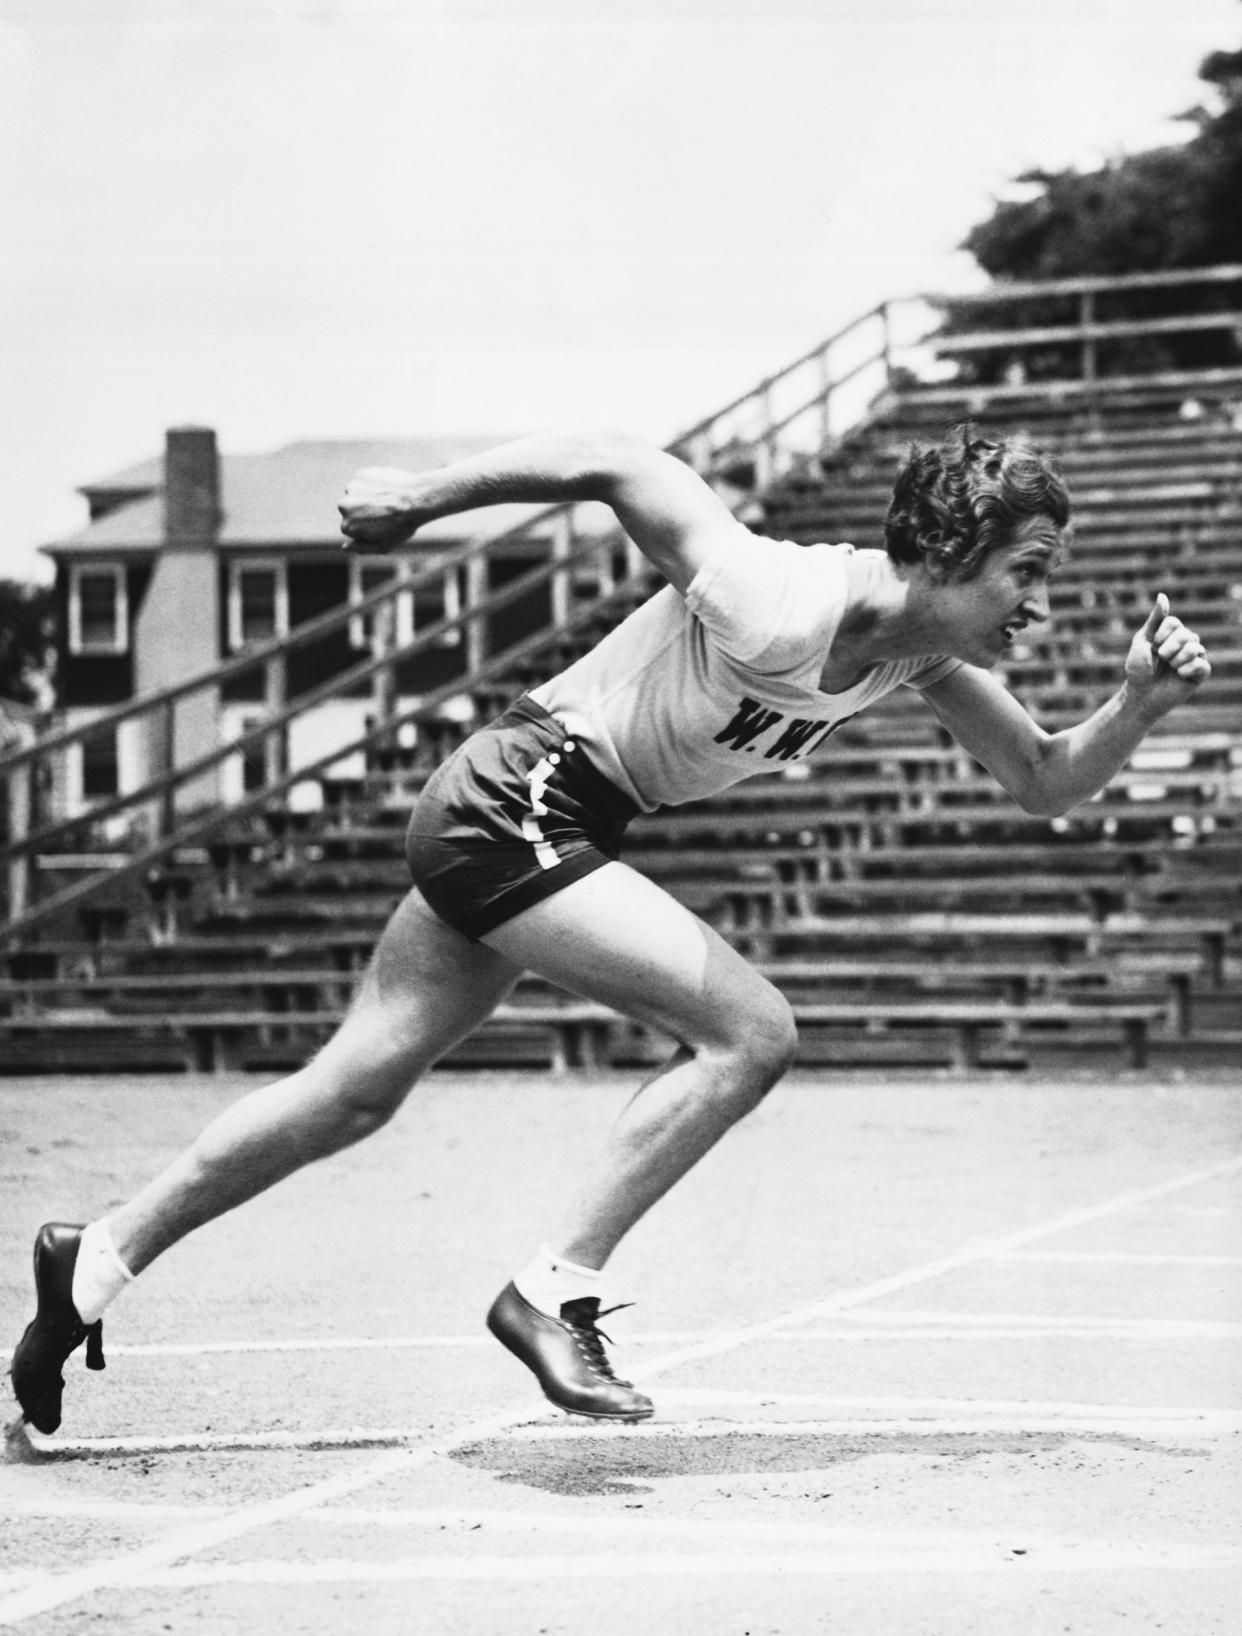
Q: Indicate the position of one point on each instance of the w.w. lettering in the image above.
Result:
(753, 721)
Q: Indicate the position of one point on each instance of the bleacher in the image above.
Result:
(911, 912)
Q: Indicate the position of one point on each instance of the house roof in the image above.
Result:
(286, 498)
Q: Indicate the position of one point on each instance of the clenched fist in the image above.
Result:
(379, 509)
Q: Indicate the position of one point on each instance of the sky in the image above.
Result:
(354, 218)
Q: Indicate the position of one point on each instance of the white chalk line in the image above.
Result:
(821, 1563)
(1052, 1323)
(988, 1250)
(973, 1425)
(833, 1552)
(348, 1343)
(877, 1414)
(1120, 1258)
(836, 1550)
(412, 1519)
(869, 1326)
(56, 1589)
(872, 1326)
(1106, 1413)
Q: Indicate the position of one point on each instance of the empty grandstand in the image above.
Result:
(210, 911)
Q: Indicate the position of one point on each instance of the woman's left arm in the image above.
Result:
(1048, 773)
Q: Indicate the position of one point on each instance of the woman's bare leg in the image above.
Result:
(617, 938)
(425, 988)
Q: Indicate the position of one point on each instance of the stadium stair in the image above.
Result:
(911, 912)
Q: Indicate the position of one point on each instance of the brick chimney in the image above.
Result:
(191, 487)
(176, 631)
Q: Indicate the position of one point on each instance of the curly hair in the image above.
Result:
(954, 504)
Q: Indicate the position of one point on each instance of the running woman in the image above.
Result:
(752, 654)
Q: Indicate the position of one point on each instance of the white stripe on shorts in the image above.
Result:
(537, 779)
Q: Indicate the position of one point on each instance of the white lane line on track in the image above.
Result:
(855, 1327)
(711, 1397)
(55, 1589)
(1143, 1328)
(408, 1519)
(48, 1505)
(1095, 1556)
(344, 1437)
(350, 1343)
(1166, 1334)
(971, 1255)
(1121, 1258)
(887, 1415)
(974, 1425)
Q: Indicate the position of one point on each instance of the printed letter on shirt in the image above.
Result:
(797, 736)
(750, 721)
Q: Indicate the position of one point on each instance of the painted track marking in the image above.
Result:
(56, 1589)
(868, 1327)
(950, 1415)
(989, 1250)
(855, 1327)
(1121, 1258)
(714, 1565)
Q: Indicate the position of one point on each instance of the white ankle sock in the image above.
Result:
(550, 1280)
(99, 1274)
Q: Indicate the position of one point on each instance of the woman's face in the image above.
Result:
(984, 614)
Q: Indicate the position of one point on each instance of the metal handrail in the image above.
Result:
(686, 438)
(764, 440)
(199, 827)
(189, 771)
(1094, 284)
(20, 766)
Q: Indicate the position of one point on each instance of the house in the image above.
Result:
(192, 558)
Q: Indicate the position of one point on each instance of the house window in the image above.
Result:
(100, 767)
(258, 602)
(98, 609)
(367, 574)
(253, 759)
(442, 599)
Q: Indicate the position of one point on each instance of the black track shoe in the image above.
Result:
(55, 1331)
(567, 1356)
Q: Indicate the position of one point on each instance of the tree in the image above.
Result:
(27, 641)
(1169, 208)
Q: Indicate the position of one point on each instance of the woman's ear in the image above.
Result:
(937, 562)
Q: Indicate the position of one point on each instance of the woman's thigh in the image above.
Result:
(425, 988)
(616, 937)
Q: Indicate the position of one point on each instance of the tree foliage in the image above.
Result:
(27, 638)
(1170, 208)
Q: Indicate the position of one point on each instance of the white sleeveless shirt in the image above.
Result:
(687, 696)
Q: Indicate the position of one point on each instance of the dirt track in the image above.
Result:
(927, 1358)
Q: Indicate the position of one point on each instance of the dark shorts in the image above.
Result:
(514, 815)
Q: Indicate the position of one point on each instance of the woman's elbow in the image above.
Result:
(1042, 804)
(613, 455)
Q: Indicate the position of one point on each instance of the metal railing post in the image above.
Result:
(384, 681)
(563, 538)
(476, 628)
(275, 697)
(825, 400)
(165, 749)
(886, 340)
(1090, 355)
(21, 823)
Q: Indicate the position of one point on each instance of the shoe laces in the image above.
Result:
(582, 1318)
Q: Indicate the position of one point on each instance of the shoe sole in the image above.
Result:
(613, 1419)
(522, 1348)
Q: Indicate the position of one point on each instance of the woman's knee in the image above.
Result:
(362, 1078)
(762, 1042)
